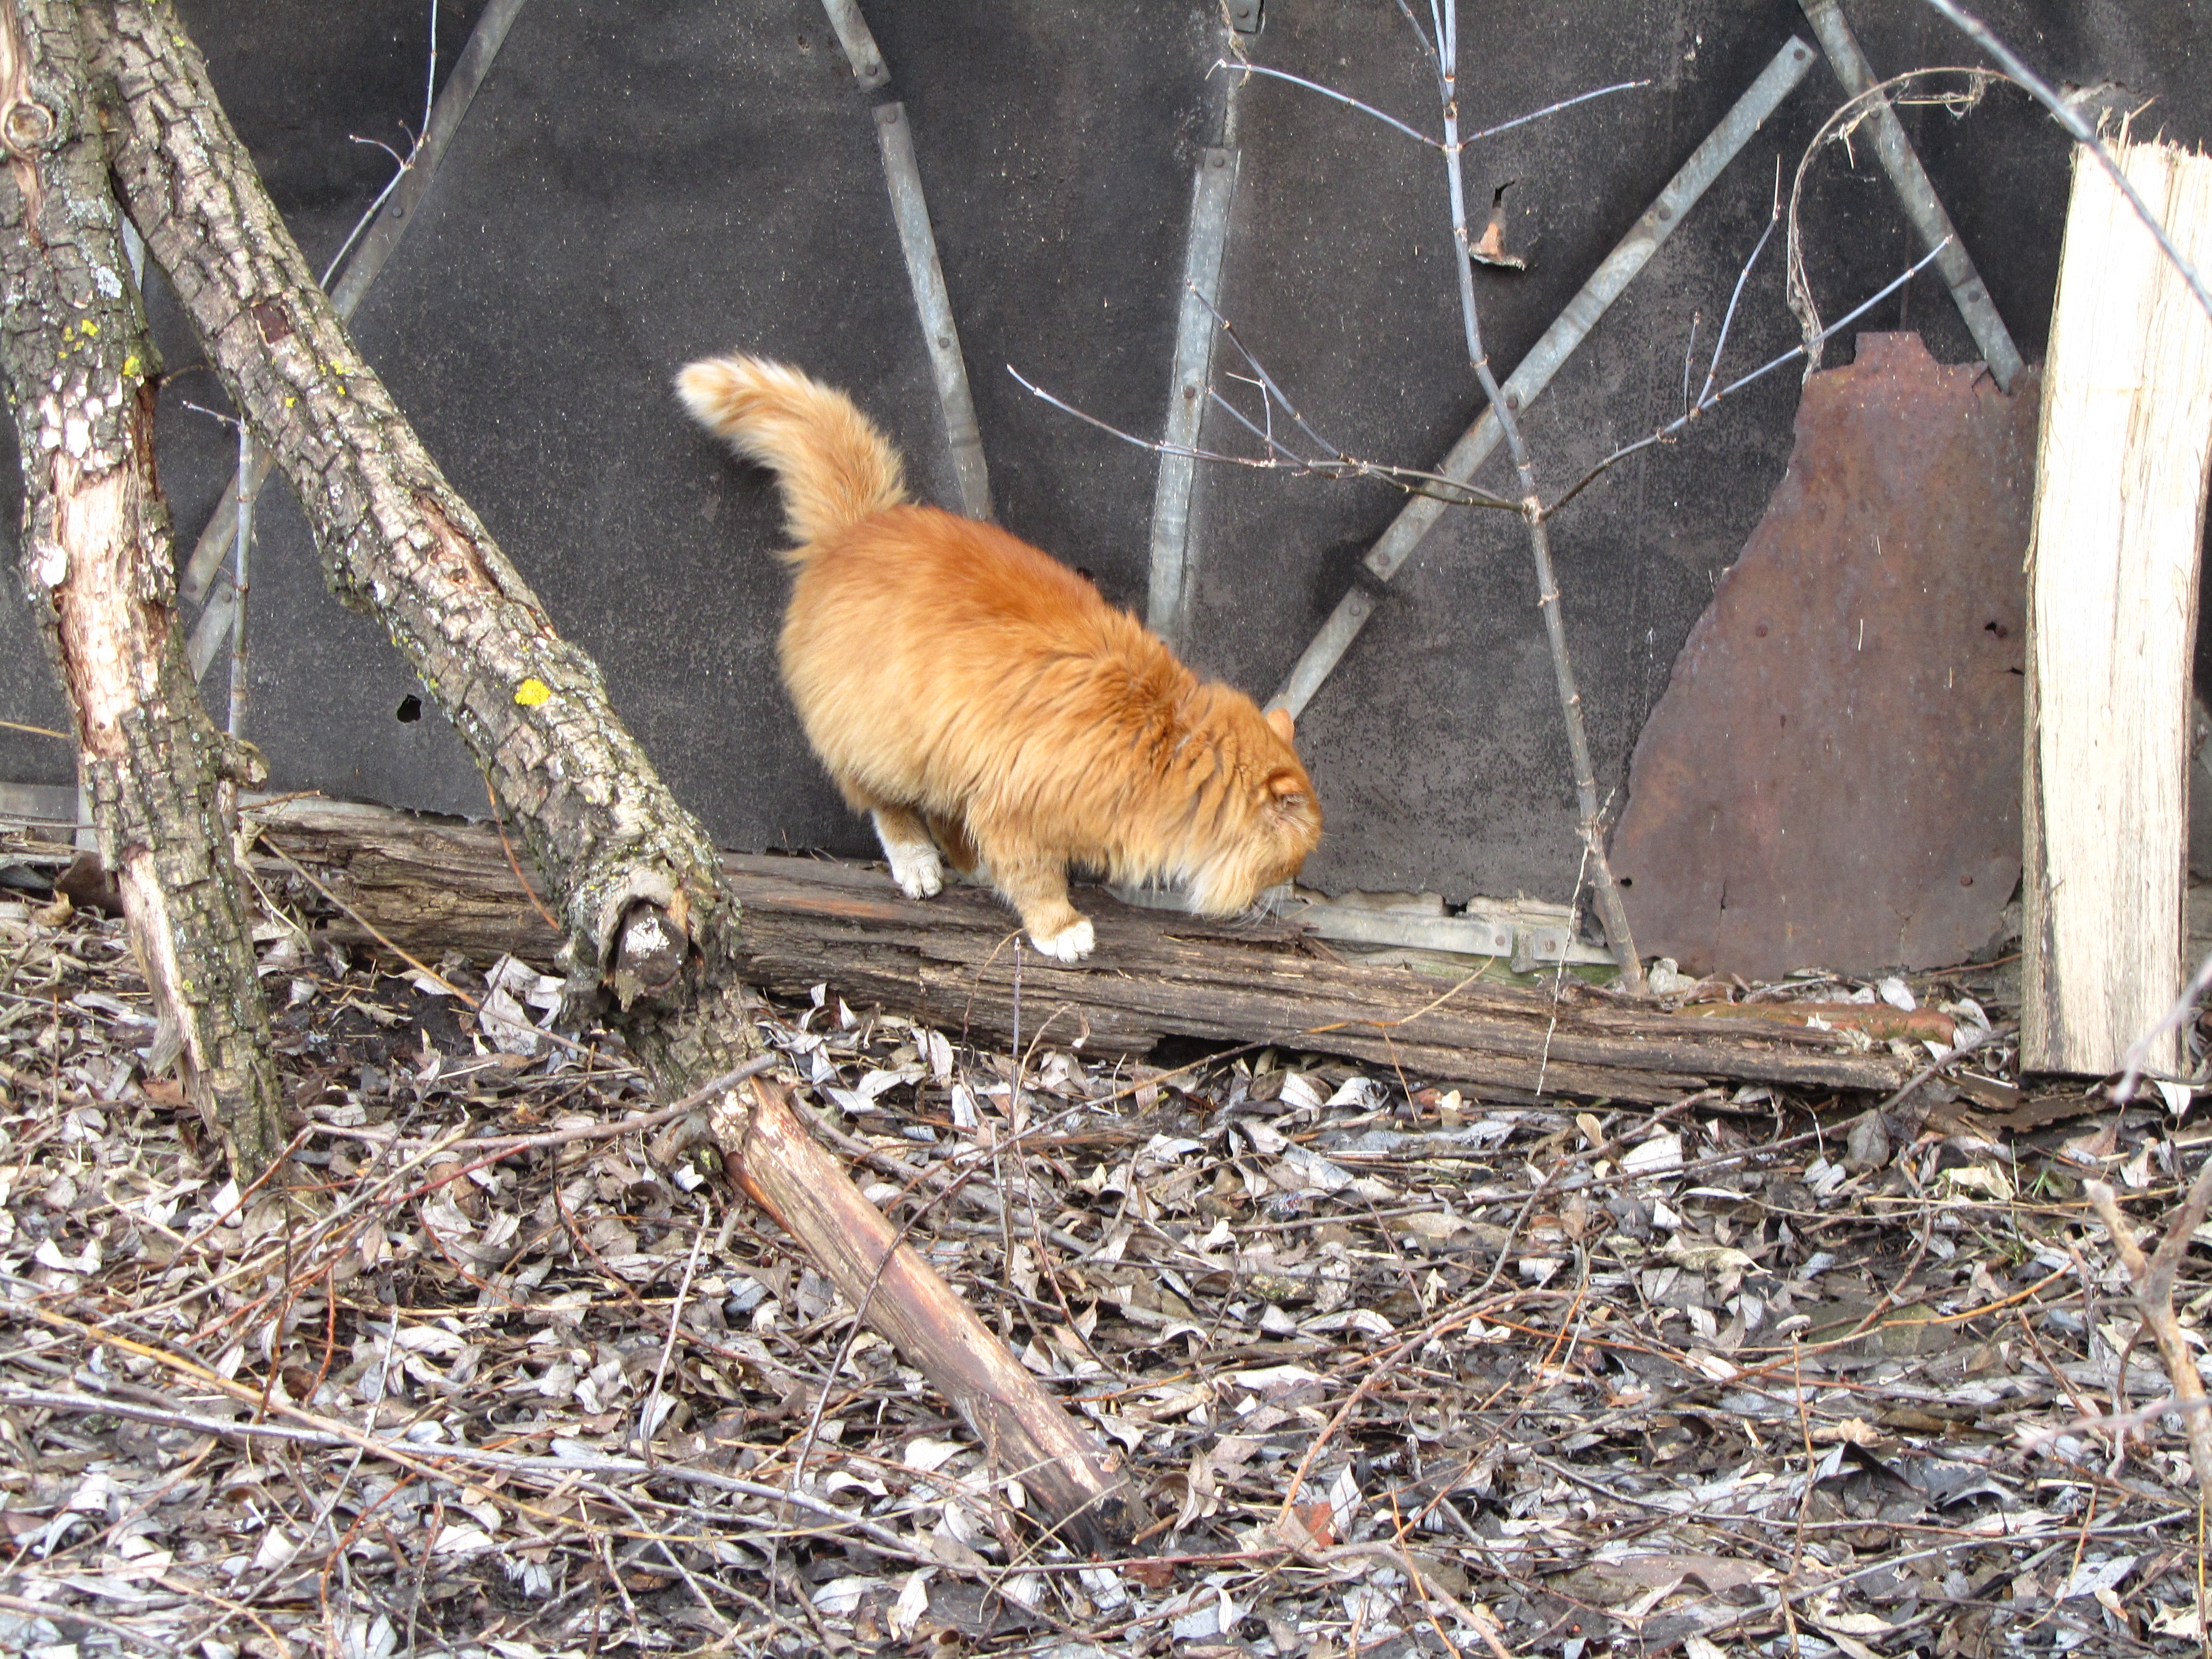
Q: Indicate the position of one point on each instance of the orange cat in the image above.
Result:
(975, 696)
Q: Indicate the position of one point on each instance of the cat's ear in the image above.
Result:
(1284, 785)
(1278, 721)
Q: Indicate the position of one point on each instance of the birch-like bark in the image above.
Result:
(97, 559)
(649, 921)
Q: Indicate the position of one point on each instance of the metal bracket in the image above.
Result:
(1534, 372)
(939, 331)
(917, 243)
(1246, 16)
(56, 805)
(860, 44)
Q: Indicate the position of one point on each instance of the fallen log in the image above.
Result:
(430, 886)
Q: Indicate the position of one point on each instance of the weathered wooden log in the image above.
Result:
(430, 886)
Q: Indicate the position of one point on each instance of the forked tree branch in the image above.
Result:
(1590, 821)
(2152, 1278)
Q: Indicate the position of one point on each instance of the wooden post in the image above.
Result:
(2120, 493)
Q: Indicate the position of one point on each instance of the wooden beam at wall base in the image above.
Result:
(429, 887)
(2120, 489)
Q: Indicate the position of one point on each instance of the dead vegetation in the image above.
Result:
(1399, 1370)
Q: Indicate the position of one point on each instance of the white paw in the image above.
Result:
(916, 867)
(1070, 944)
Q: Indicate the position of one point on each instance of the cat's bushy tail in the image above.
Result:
(834, 466)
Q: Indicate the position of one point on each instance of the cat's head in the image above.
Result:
(1272, 822)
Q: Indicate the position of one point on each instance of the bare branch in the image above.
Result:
(2152, 1278)
(1266, 379)
(1327, 92)
(1612, 911)
(1436, 486)
(1760, 373)
(2068, 118)
(1552, 109)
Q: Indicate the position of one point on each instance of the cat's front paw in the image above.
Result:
(917, 869)
(1071, 944)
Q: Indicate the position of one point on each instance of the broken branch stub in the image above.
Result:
(649, 918)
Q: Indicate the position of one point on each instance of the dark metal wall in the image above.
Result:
(637, 186)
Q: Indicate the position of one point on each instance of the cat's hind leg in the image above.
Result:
(912, 856)
(952, 840)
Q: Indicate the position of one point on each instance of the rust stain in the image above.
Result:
(1878, 1020)
(1832, 777)
(820, 904)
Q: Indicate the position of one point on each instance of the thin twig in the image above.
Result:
(406, 163)
(648, 1414)
(1413, 480)
(1247, 68)
(1737, 385)
(2066, 116)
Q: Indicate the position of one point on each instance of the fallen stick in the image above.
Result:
(1026, 1434)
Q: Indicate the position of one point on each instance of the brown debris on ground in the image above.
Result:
(1402, 1371)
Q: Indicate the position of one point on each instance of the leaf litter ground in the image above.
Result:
(1401, 1371)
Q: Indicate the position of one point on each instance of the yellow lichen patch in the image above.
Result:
(533, 692)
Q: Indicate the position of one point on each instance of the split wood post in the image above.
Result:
(2120, 495)
(96, 562)
(651, 925)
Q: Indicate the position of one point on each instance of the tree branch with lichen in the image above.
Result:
(97, 558)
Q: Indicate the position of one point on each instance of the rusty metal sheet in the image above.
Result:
(1832, 777)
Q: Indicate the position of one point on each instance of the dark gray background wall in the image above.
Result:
(638, 185)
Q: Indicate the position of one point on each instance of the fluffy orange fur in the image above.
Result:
(981, 700)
